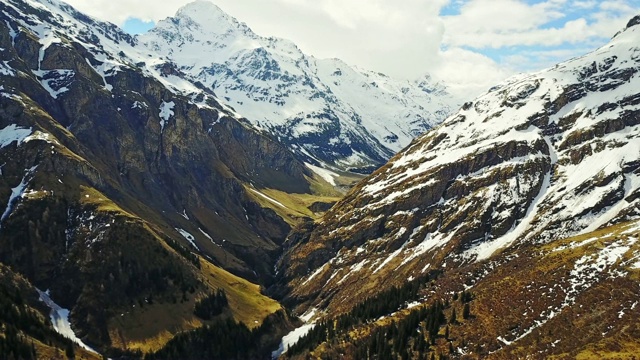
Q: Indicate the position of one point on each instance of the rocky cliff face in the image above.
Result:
(119, 177)
(538, 158)
(325, 110)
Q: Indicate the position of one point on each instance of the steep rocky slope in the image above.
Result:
(573, 298)
(325, 110)
(537, 159)
(119, 178)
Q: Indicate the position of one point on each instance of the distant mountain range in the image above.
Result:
(325, 110)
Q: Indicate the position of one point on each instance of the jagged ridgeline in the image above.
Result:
(127, 188)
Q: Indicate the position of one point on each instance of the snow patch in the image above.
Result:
(315, 273)
(413, 304)
(166, 112)
(41, 136)
(292, 338)
(295, 335)
(306, 317)
(60, 320)
(6, 69)
(139, 105)
(354, 269)
(504, 341)
(17, 193)
(55, 81)
(388, 259)
(576, 244)
(189, 237)
(12, 33)
(268, 198)
(13, 133)
(430, 242)
(108, 67)
(328, 175)
(206, 235)
(485, 249)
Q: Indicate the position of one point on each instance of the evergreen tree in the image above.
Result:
(69, 352)
(453, 319)
(212, 305)
(466, 312)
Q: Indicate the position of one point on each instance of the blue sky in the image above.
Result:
(524, 54)
(136, 26)
(467, 43)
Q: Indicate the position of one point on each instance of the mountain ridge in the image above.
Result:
(540, 157)
(514, 223)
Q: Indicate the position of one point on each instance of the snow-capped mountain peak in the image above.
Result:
(205, 12)
(325, 110)
(199, 34)
(633, 22)
(205, 20)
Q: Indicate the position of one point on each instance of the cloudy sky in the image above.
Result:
(470, 43)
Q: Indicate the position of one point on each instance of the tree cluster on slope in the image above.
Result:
(224, 339)
(418, 335)
(212, 305)
(372, 308)
(415, 332)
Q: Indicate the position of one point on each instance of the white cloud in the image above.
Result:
(469, 73)
(493, 17)
(398, 38)
(539, 59)
(585, 5)
(502, 23)
(620, 6)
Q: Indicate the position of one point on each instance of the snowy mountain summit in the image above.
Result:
(325, 110)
